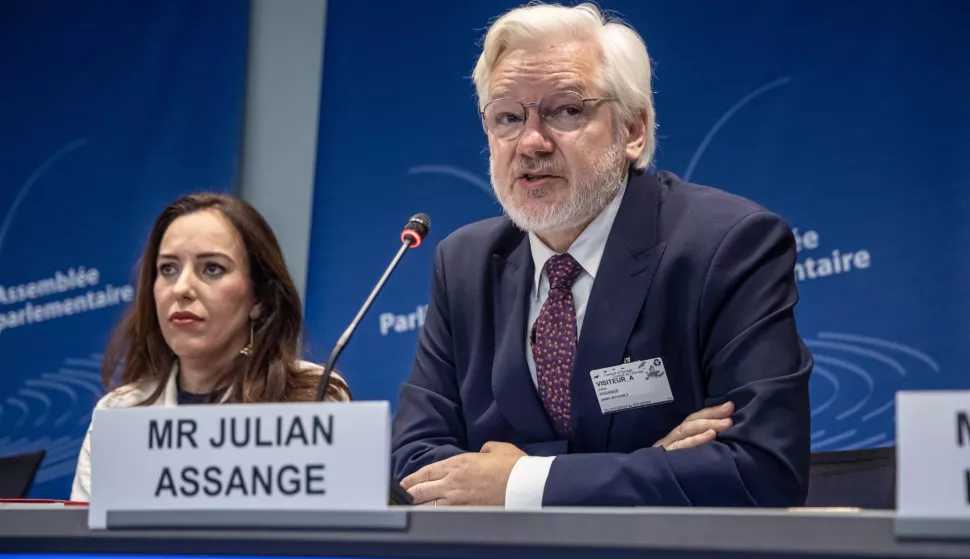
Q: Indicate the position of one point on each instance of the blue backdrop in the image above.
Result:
(850, 119)
(110, 110)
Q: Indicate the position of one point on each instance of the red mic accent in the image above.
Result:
(415, 238)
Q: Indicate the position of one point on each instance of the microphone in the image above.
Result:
(414, 232)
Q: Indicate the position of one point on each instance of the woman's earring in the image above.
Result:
(248, 350)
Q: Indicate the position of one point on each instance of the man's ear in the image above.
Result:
(636, 131)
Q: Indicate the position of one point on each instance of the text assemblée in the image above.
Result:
(28, 312)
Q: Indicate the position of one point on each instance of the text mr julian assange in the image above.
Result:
(265, 479)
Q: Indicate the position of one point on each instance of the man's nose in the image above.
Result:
(534, 139)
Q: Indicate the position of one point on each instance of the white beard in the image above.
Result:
(585, 198)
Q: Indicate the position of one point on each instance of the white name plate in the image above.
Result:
(240, 457)
(933, 463)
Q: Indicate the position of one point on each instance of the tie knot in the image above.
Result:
(562, 270)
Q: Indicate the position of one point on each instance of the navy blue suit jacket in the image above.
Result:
(693, 275)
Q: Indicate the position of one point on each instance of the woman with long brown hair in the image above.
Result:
(216, 318)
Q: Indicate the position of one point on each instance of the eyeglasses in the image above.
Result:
(564, 111)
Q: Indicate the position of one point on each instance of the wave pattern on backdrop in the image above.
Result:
(110, 111)
(848, 119)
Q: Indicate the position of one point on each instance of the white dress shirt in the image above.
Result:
(528, 478)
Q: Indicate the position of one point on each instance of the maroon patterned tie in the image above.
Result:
(554, 341)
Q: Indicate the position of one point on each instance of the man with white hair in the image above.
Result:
(621, 337)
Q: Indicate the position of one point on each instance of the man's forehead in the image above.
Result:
(525, 89)
(544, 67)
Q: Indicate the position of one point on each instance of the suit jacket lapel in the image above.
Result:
(512, 385)
(626, 271)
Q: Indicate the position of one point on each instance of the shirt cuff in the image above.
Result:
(527, 482)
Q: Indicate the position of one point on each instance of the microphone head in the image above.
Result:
(420, 223)
(416, 229)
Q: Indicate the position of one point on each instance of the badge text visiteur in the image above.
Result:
(933, 439)
(300, 456)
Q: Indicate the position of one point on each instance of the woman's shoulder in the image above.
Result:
(343, 390)
(127, 395)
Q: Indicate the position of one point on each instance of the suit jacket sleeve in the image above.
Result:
(751, 354)
(429, 425)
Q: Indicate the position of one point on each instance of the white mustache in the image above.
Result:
(536, 166)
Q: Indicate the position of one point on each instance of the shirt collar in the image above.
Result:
(587, 249)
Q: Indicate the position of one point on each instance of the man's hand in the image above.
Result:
(474, 478)
(699, 428)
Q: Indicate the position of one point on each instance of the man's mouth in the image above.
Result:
(529, 177)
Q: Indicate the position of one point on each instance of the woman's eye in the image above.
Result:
(213, 270)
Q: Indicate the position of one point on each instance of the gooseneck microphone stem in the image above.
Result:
(342, 342)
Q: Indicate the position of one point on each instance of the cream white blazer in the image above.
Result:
(130, 395)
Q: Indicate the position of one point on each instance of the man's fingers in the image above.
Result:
(427, 492)
(698, 426)
(693, 441)
(431, 472)
(694, 428)
(416, 477)
(716, 412)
